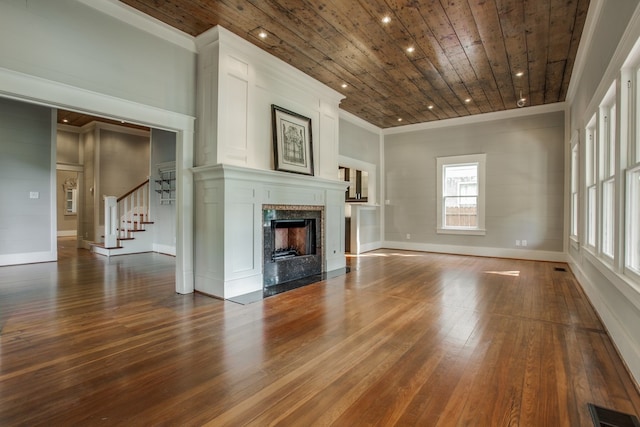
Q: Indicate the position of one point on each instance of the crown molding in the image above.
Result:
(142, 21)
(353, 119)
(478, 118)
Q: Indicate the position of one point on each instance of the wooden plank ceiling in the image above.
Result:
(465, 60)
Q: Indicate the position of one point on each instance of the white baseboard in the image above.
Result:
(366, 247)
(67, 233)
(164, 249)
(627, 346)
(479, 251)
(28, 258)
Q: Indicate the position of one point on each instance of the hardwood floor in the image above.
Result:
(405, 338)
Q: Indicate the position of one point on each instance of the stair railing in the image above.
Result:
(126, 214)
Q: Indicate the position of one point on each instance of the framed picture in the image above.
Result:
(292, 145)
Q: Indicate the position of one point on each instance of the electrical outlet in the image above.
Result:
(408, 236)
(524, 243)
(34, 195)
(387, 202)
(517, 242)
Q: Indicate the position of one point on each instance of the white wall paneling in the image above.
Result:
(237, 84)
(229, 254)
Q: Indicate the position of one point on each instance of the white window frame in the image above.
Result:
(591, 205)
(441, 163)
(607, 175)
(632, 244)
(575, 186)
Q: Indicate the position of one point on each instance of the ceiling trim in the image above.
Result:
(353, 119)
(142, 21)
(477, 118)
(593, 16)
(28, 88)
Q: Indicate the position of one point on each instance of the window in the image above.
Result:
(460, 184)
(633, 220)
(590, 179)
(607, 170)
(632, 232)
(574, 188)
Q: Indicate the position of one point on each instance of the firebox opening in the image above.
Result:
(292, 238)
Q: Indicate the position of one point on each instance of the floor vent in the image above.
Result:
(603, 417)
(560, 269)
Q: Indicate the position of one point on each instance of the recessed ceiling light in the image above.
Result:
(386, 19)
(262, 34)
(430, 107)
(410, 49)
(468, 100)
(399, 119)
(520, 74)
(65, 120)
(344, 85)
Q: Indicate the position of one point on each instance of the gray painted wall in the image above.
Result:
(615, 299)
(67, 147)
(613, 20)
(163, 149)
(26, 138)
(524, 181)
(363, 144)
(124, 163)
(71, 43)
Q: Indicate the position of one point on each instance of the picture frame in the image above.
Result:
(292, 141)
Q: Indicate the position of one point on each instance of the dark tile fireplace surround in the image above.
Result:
(293, 243)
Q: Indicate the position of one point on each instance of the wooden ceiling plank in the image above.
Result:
(537, 27)
(450, 46)
(489, 27)
(511, 14)
(462, 21)
(576, 34)
(562, 20)
(464, 48)
(431, 50)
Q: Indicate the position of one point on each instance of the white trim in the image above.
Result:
(142, 21)
(353, 119)
(27, 88)
(67, 233)
(480, 160)
(593, 16)
(269, 66)
(370, 168)
(465, 231)
(29, 257)
(164, 249)
(478, 251)
(627, 346)
(53, 177)
(618, 61)
(478, 118)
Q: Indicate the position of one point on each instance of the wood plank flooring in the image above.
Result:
(405, 338)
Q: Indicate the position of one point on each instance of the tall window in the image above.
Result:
(632, 234)
(633, 219)
(607, 172)
(461, 194)
(590, 179)
(574, 189)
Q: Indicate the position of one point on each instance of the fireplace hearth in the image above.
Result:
(292, 243)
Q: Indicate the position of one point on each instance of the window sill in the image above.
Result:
(463, 231)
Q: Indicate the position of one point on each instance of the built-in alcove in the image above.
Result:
(292, 241)
(358, 190)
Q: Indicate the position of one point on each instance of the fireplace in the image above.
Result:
(292, 238)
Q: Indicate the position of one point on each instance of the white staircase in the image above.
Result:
(126, 223)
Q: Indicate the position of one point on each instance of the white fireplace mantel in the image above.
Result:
(228, 218)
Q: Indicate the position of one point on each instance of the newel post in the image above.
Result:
(110, 221)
